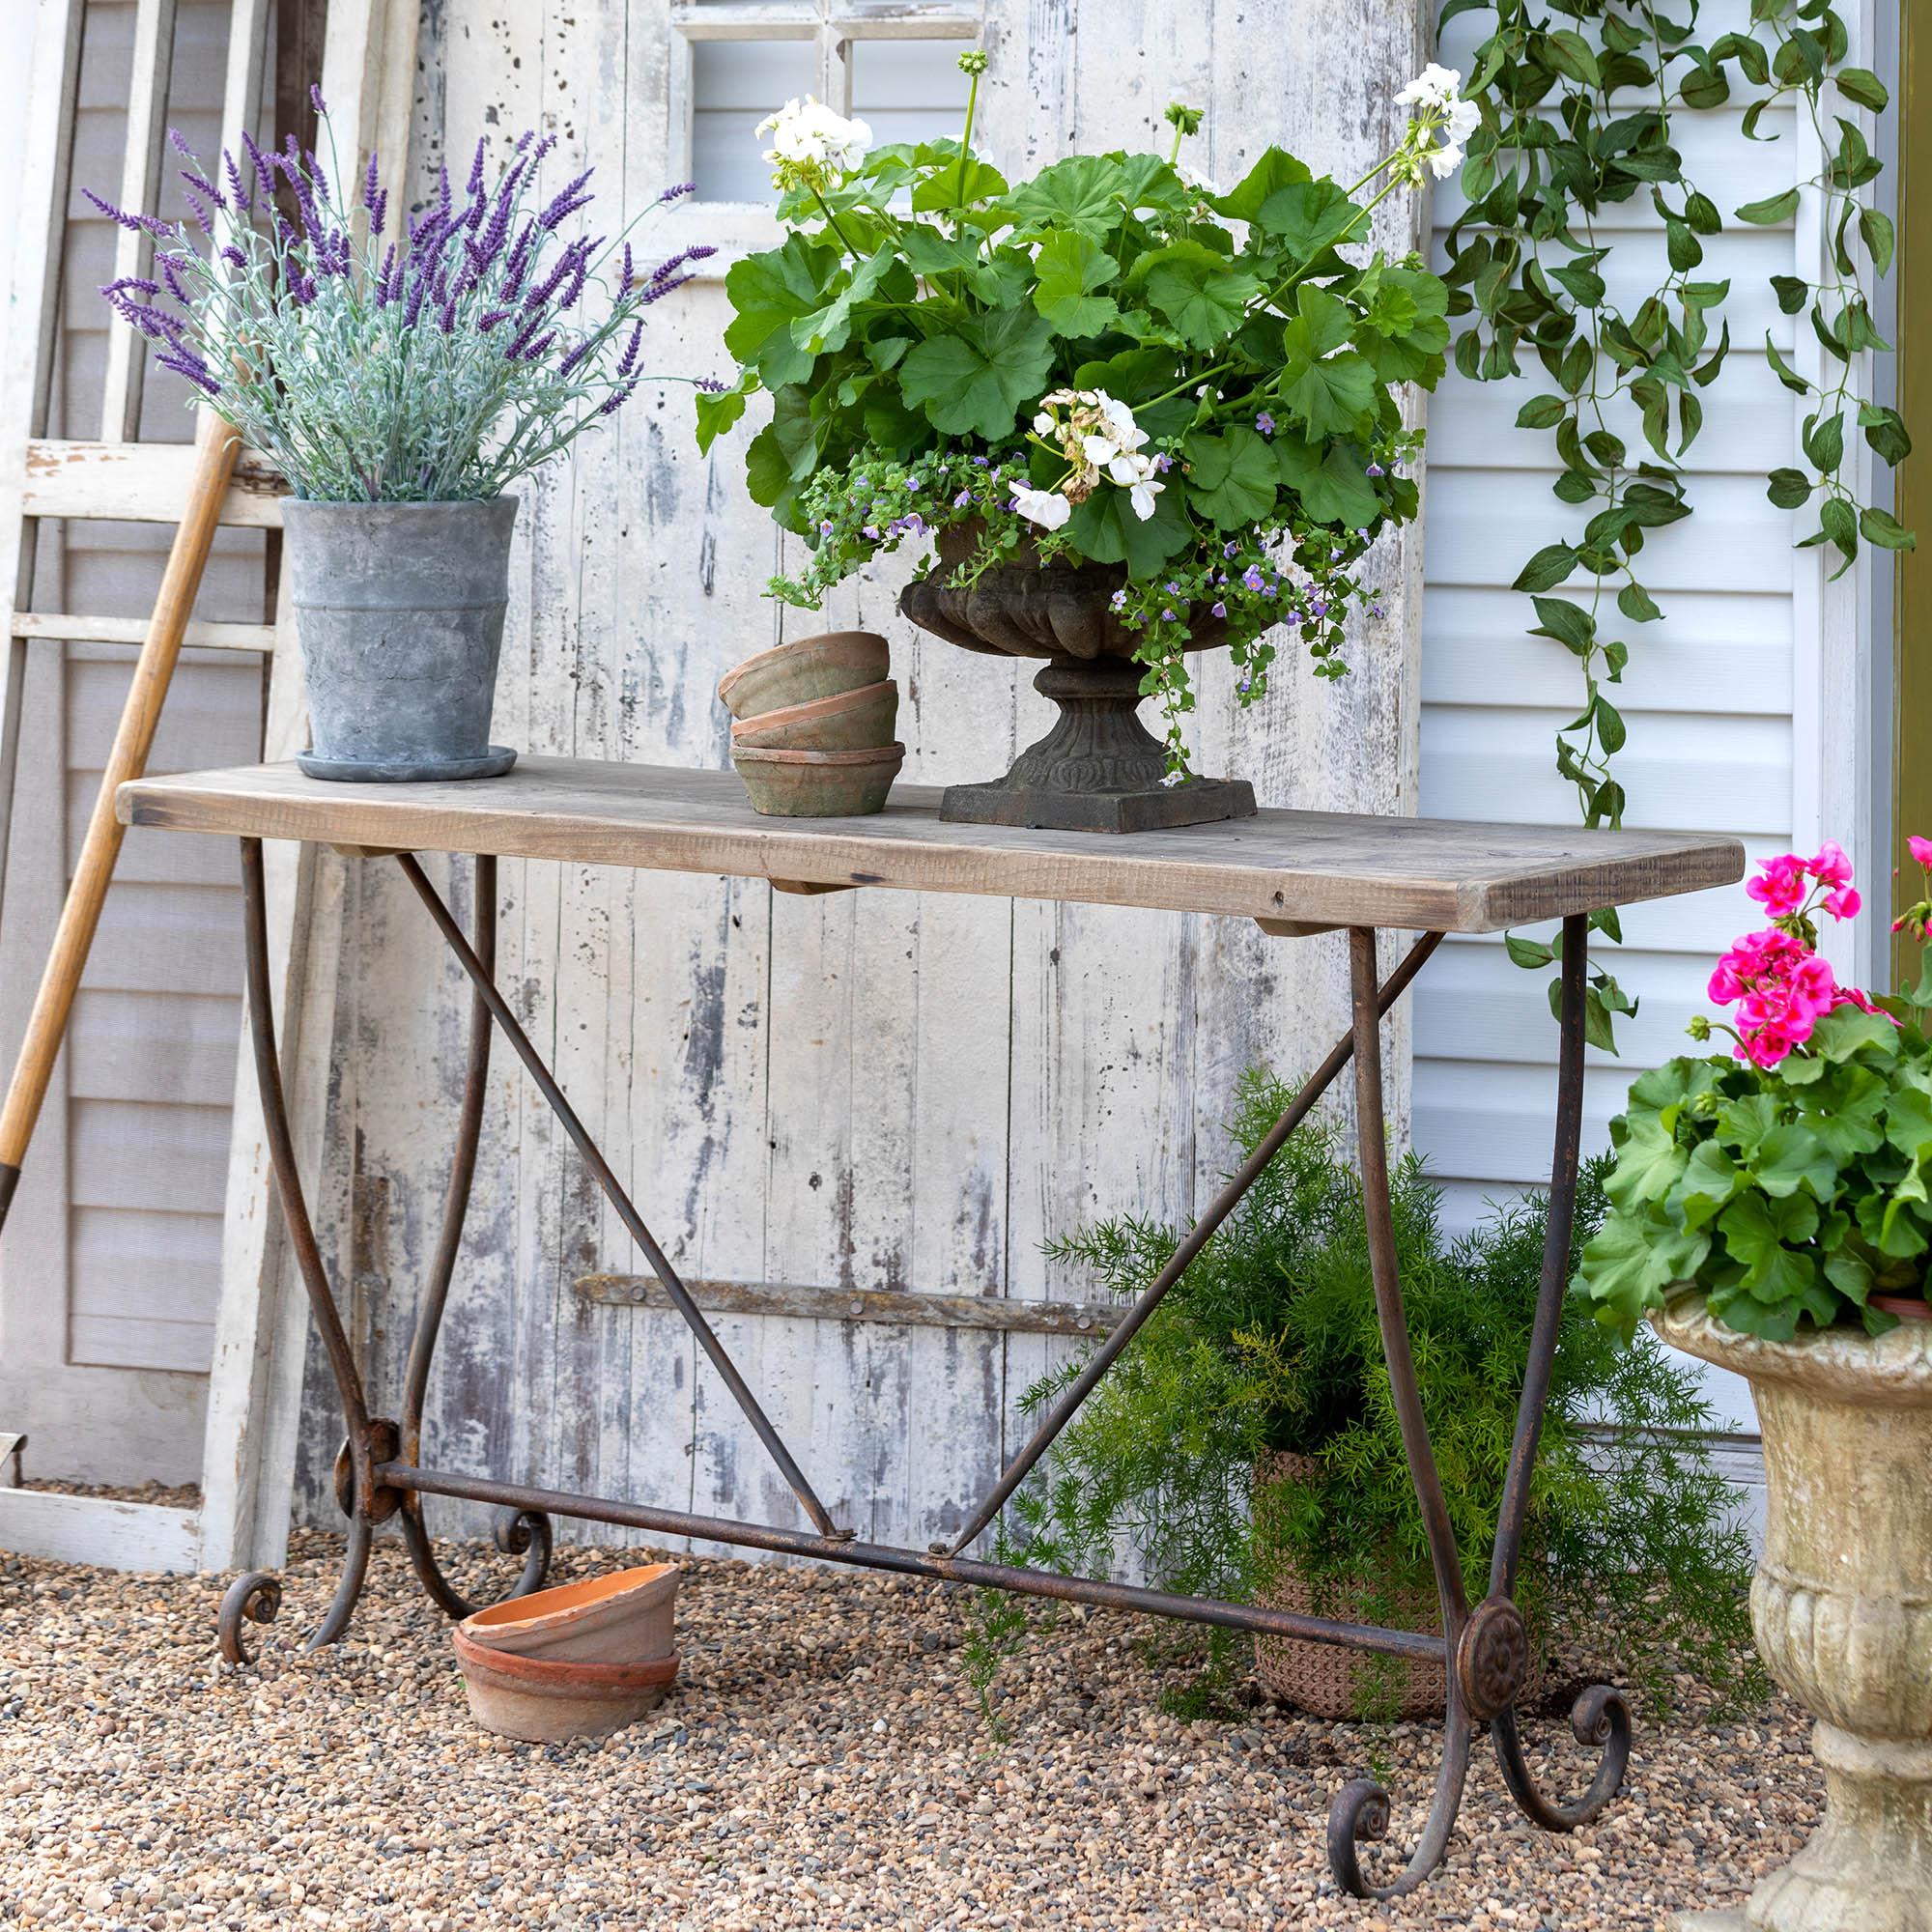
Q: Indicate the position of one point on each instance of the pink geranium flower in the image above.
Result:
(1780, 886)
(1830, 866)
(1922, 850)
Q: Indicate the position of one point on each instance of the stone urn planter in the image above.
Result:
(1842, 1607)
(399, 612)
(1099, 769)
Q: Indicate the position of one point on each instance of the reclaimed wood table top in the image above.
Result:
(1299, 868)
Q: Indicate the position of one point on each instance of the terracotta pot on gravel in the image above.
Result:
(805, 670)
(627, 1617)
(817, 785)
(548, 1700)
(854, 720)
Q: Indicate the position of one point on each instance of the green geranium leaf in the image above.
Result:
(715, 413)
(1790, 1157)
(829, 328)
(1744, 1122)
(1649, 1162)
(1845, 1031)
(951, 186)
(1706, 1185)
(771, 291)
(1633, 1258)
(975, 381)
(1908, 1122)
(1231, 477)
(1329, 387)
(1760, 1235)
(1084, 191)
(1308, 216)
(1275, 170)
(1107, 531)
(1332, 482)
(1203, 294)
(1070, 265)
(1849, 1273)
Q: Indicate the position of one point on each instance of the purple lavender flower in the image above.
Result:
(316, 101)
(710, 384)
(265, 171)
(567, 201)
(197, 373)
(571, 361)
(134, 225)
(618, 399)
(630, 357)
(678, 192)
(491, 318)
(234, 258)
(375, 197)
(625, 279)
(237, 190)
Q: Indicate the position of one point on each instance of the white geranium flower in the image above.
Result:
(810, 142)
(1128, 470)
(1443, 161)
(1098, 451)
(1462, 119)
(1043, 424)
(1126, 432)
(1142, 495)
(1047, 508)
(1434, 87)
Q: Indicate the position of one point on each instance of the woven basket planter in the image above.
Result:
(1323, 1679)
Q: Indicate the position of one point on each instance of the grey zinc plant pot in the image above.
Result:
(399, 612)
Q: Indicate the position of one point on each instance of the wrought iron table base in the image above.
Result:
(378, 1473)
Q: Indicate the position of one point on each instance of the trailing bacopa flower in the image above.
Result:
(436, 365)
(811, 145)
(1776, 980)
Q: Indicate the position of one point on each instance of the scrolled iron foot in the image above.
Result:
(1359, 1814)
(524, 1533)
(1601, 1717)
(253, 1599)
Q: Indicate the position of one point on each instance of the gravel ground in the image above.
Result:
(822, 1763)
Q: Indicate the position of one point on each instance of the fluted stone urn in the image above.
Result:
(1099, 769)
(1842, 1607)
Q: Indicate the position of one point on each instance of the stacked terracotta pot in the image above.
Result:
(580, 1660)
(813, 726)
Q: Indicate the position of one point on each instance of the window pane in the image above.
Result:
(909, 90)
(735, 85)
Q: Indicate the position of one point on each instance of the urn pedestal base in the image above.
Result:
(1099, 769)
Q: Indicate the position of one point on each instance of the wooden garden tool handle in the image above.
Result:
(217, 445)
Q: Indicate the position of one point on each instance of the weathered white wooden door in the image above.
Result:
(855, 1090)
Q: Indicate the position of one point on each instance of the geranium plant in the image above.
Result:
(1788, 1177)
(1114, 362)
(427, 360)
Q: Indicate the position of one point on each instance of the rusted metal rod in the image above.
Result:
(1197, 1237)
(606, 1178)
(919, 1563)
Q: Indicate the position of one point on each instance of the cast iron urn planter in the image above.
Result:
(1099, 769)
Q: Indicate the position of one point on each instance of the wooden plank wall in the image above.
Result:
(848, 1089)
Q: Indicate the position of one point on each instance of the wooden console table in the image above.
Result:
(1293, 872)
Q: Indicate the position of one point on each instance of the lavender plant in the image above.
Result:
(433, 364)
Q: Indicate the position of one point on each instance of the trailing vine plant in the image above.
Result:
(1582, 104)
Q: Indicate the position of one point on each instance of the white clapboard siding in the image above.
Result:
(1707, 697)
